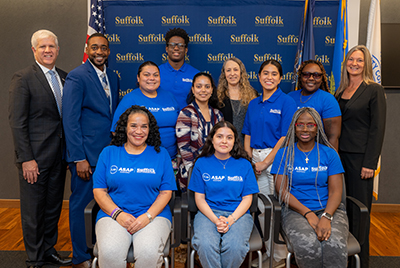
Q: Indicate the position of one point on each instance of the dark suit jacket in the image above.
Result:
(363, 123)
(86, 113)
(33, 115)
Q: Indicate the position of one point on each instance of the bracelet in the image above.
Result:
(305, 214)
(149, 216)
(116, 214)
(115, 209)
(234, 219)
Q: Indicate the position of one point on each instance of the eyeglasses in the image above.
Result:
(307, 75)
(179, 45)
(302, 125)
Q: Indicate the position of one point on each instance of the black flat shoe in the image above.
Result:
(58, 260)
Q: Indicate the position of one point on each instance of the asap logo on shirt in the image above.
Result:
(123, 170)
(207, 177)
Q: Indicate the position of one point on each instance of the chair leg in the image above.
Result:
(192, 253)
(357, 260)
(166, 262)
(94, 263)
(173, 258)
(288, 257)
(250, 257)
(260, 259)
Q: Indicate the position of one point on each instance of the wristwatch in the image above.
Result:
(327, 215)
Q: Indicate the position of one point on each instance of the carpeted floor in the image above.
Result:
(16, 259)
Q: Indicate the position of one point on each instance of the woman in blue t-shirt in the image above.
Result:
(161, 103)
(132, 184)
(224, 182)
(309, 181)
(314, 92)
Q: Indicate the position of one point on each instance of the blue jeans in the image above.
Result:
(218, 250)
(308, 250)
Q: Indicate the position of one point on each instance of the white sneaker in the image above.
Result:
(265, 262)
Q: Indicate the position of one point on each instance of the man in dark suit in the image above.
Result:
(90, 99)
(36, 125)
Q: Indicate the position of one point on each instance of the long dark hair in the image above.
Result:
(120, 137)
(237, 150)
(213, 101)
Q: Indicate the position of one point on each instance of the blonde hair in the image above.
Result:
(247, 92)
(367, 75)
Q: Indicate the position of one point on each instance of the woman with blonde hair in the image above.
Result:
(234, 93)
(363, 106)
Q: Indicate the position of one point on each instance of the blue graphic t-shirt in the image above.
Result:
(134, 181)
(303, 180)
(164, 108)
(223, 188)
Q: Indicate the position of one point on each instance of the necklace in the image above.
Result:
(225, 162)
(306, 154)
(235, 113)
(301, 95)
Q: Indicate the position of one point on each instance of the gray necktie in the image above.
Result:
(57, 90)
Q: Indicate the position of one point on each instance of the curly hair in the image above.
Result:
(289, 149)
(247, 92)
(367, 74)
(237, 150)
(177, 32)
(120, 137)
(324, 83)
(213, 101)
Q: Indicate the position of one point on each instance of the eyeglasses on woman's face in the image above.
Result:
(307, 75)
(308, 125)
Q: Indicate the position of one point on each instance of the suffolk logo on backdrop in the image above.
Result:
(218, 58)
(175, 20)
(222, 21)
(269, 21)
(244, 39)
(152, 38)
(130, 57)
(129, 21)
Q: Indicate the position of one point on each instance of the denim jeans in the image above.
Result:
(218, 250)
(308, 250)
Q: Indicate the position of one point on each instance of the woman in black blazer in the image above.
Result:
(363, 106)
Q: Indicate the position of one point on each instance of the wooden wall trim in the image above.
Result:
(14, 203)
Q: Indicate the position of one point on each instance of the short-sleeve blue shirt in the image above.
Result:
(178, 82)
(134, 181)
(266, 122)
(223, 188)
(164, 108)
(323, 102)
(303, 179)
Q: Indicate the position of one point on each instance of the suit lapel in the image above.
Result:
(355, 96)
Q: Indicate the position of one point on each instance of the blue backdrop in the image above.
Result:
(252, 31)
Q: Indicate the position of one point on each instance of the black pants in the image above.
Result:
(362, 190)
(41, 204)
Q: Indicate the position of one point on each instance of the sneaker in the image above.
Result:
(265, 262)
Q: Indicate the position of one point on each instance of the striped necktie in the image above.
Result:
(57, 90)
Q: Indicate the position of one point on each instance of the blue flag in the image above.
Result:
(305, 46)
(341, 47)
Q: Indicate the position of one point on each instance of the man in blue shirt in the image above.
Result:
(176, 75)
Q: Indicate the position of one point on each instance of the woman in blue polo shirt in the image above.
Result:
(314, 92)
(224, 183)
(265, 126)
(159, 102)
(309, 182)
(132, 184)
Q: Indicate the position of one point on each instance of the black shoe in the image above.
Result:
(58, 260)
(34, 266)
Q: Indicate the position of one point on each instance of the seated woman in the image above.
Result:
(308, 178)
(132, 184)
(195, 121)
(160, 102)
(314, 92)
(234, 93)
(224, 183)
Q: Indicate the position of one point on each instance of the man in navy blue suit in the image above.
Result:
(90, 99)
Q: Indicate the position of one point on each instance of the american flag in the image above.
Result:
(96, 21)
